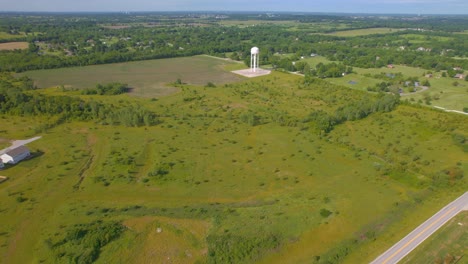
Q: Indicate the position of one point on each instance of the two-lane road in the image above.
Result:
(422, 232)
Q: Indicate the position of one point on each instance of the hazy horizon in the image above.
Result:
(448, 7)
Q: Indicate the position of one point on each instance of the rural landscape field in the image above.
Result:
(152, 150)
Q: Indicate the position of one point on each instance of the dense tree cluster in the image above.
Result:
(324, 122)
(107, 89)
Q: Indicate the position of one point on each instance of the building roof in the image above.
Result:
(17, 151)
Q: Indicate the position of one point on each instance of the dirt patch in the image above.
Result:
(235, 106)
(14, 46)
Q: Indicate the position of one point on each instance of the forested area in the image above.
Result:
(80, 39)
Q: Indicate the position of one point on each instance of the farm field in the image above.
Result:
(13, 45)
(449, 244)
(235, 165)
(147, 78)
(363, 32)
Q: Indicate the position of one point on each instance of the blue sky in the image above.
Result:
(341, 6)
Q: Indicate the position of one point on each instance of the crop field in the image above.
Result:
(363, 32)
(147, 78)
(449, 244)
(13, 45)
(232, 173)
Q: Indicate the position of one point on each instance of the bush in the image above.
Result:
(325, 213)
(228, 248)
(83, 243)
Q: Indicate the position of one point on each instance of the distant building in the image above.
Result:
(428, 75)
(15, 155)
(391, 66)
(459, 76)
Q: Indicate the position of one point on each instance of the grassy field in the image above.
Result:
(14, 45)
(227, 182)
(8, 36)
(450, 243)
(253, 22)
(442, 91)
(363, 32)
(147, 78)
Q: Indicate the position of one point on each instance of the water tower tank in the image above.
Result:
(254, 50)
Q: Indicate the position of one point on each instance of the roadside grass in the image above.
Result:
(206, 177)
(448, 244)
(147, 78)
(14, 46)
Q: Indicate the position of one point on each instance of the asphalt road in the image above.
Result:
(422, 232)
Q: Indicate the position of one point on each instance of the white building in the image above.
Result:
(15, 155)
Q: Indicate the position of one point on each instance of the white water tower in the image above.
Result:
(254, 59)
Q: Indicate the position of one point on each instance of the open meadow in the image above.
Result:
(363, 32)
(150, 78)
(236, 173)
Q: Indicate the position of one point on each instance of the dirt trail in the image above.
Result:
(17, 143)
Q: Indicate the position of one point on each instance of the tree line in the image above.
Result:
(18, 98)
(77, 40)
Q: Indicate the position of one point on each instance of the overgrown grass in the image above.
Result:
(264, 182)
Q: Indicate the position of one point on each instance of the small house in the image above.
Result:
(15, 155)
(391, 66)
(459, 76)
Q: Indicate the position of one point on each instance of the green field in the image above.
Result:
(363, 32)
(207, 185)
(442, 91)
(147, 78)
(450, 243)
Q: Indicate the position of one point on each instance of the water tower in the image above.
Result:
(254, 59)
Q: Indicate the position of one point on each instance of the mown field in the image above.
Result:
(447, 245)
(14, 46)
(363, 32)
(151, 78)
(233, 173)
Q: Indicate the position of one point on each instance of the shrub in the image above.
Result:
(325, 213)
